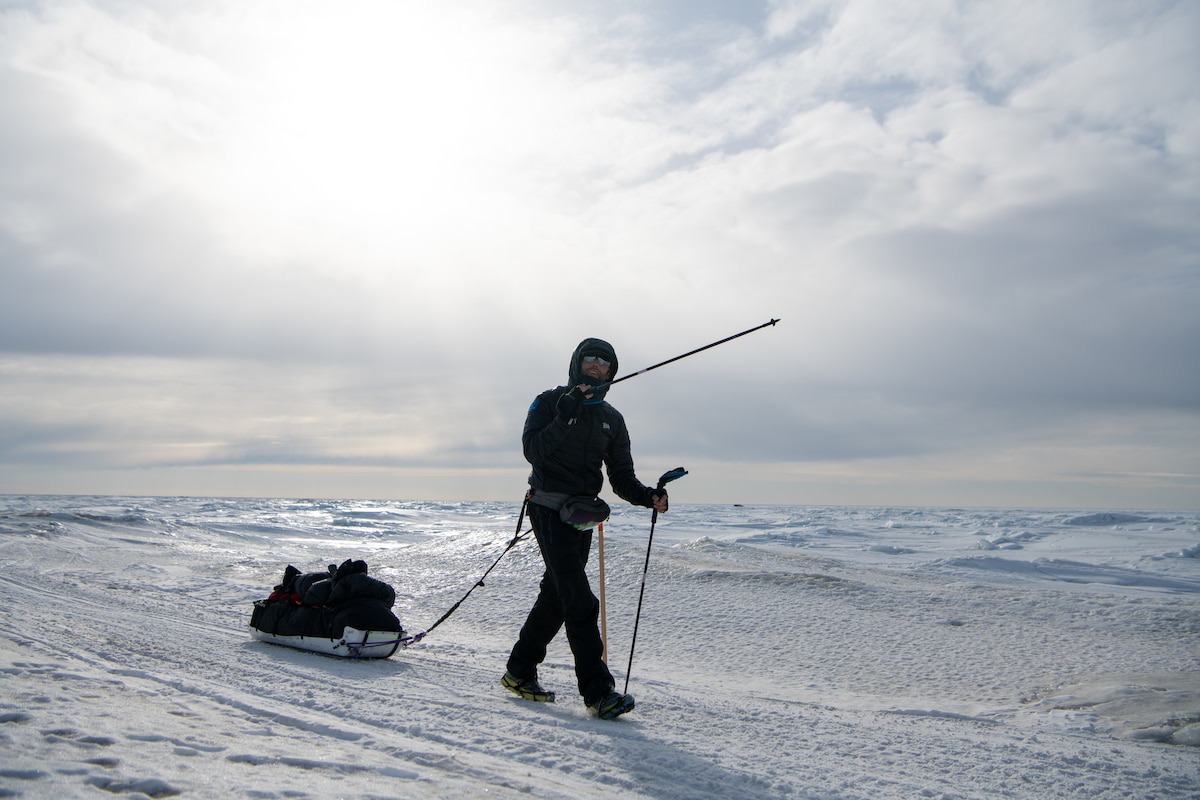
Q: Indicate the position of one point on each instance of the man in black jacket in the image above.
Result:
(570, 433)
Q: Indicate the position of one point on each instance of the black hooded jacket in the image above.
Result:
(567, 456)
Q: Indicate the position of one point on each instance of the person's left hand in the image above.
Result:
(660, 501)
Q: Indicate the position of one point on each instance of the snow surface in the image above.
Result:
(783, 651)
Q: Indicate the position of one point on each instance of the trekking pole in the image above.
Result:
(685, 355)
(667, 477)
(603, 613)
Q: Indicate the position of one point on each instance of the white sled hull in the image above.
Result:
(353, 643)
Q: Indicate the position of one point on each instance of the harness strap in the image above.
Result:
(517, 537)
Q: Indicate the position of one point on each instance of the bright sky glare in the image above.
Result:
(295, 249)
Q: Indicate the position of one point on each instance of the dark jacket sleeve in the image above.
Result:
(619, 463)
(544, 431)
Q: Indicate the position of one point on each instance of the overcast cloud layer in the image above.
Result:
(294, 248)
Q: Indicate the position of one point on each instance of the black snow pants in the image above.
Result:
(565, 599)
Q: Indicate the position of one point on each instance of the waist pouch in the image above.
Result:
(583, 512)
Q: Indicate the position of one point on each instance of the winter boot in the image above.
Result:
(526, 689)
(613, 705)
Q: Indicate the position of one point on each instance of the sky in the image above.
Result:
(304, 249)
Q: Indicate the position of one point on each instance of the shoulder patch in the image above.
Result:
(534, 405)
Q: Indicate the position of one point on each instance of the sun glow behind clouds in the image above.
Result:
(376, 123)
(398, 134)
(308, 133)
(379, 142)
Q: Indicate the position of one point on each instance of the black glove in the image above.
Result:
(568, 405)
(652, 494)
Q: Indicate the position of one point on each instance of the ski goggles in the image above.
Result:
(604, 362)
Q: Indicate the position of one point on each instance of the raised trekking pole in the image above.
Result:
(768, 324)
(667, 477)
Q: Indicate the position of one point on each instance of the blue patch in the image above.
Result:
(535, 405)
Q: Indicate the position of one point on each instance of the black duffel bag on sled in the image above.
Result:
(341, 612)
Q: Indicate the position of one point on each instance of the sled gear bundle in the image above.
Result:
(342, 611)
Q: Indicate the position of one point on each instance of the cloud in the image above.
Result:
(295, 238)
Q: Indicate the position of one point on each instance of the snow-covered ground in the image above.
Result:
(788, 651)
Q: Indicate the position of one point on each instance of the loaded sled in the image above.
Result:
(340, 612)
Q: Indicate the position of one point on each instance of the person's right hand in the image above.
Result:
(568, 405)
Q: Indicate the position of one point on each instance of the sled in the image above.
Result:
(353, 643)
(341, 612)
